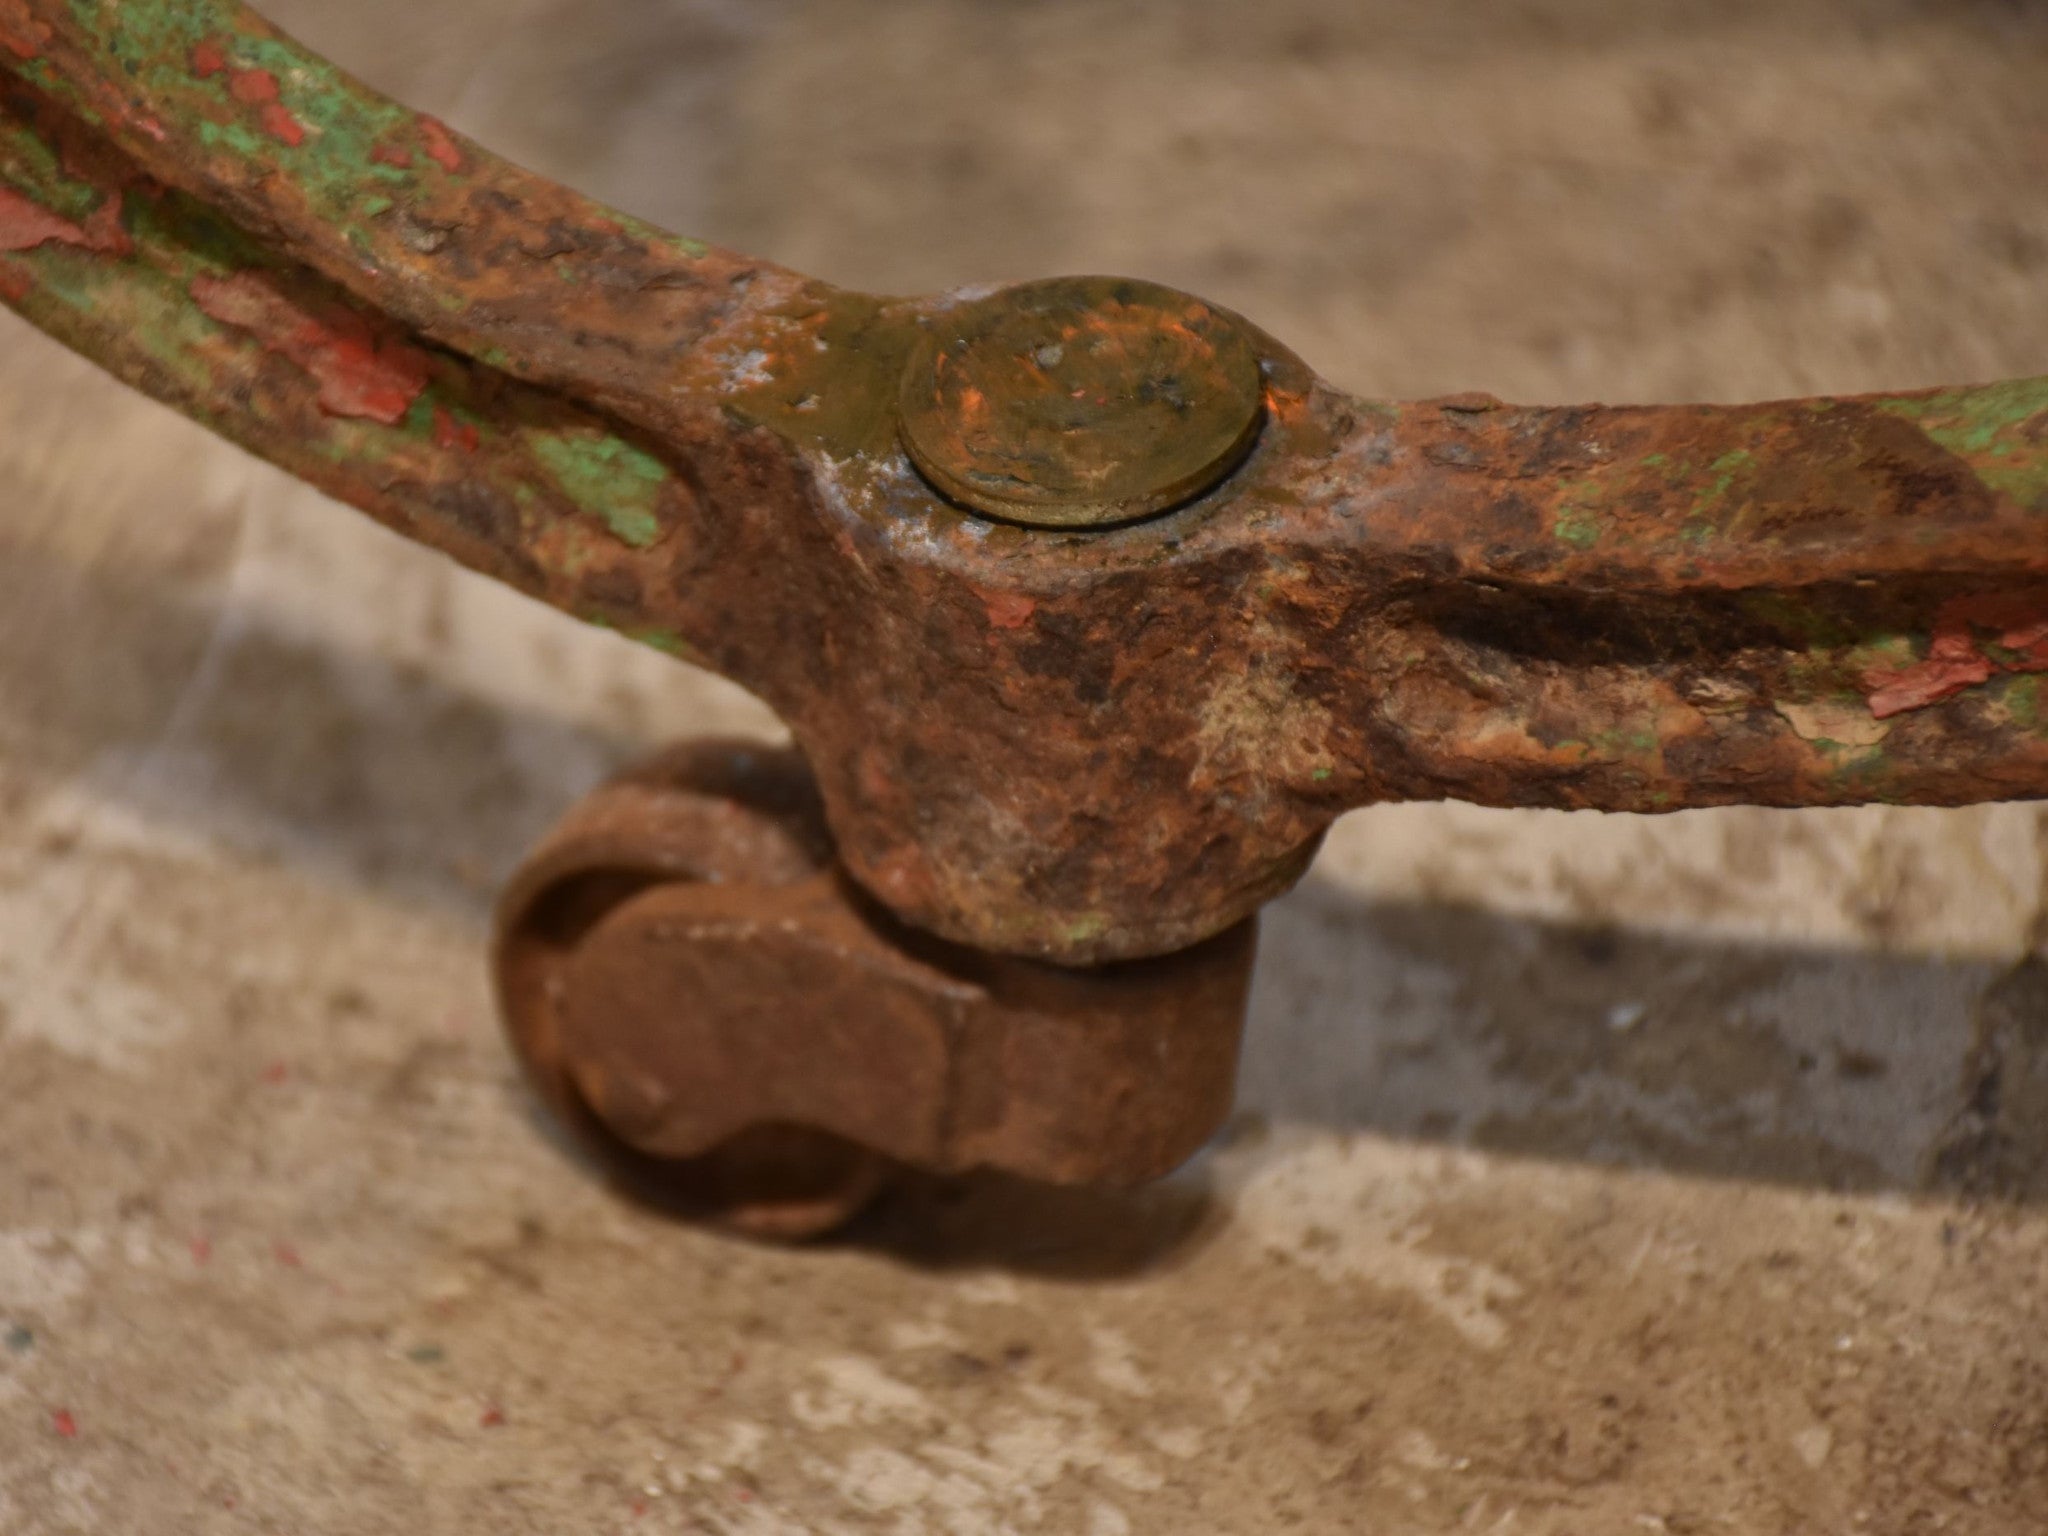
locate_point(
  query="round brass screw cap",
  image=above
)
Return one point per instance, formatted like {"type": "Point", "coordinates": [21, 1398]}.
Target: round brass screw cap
{"type": "Point", "coordinates": [1081, 402]}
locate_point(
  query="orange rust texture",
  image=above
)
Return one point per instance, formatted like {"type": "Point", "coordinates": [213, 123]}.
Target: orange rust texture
{"type": "Point", "coordinates": [22, 35]}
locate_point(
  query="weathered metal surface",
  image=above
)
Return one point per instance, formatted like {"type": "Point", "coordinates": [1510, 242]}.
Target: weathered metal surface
{"type": "Point", "coordinates": [693, 985]}
{"type": "Point", "coordinates": [1076, 744]}
{"type": "Point", "coordinates": [521, 484]}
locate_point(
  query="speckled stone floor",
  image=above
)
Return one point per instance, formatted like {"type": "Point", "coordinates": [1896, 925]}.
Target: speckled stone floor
{"type": "Point", "coordinates": [1591, 1175]}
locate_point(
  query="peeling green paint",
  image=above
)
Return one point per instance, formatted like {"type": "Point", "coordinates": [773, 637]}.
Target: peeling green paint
{"type": "Point", "coordinates": [656, 236]}
{"type": "Point", "coordinates": [667, 642]}
{"type": "Point", "coordinates": [1577, 525]}
{"type": "Point", "coordinates": [2023, 700]}
{"type": "Point", "coordinates": [617, 481]}
{"type": "Point", "coordinates": [1624, 741]}
{"type": "Point", "coordinates": [2002, 429]}
{"type": "Point", "coordinates": [1814, 626]}
{"type": "Point", "coordinates": [344, 156]}
{"type": "Point", "coordinates": [1971, 421]}
{"type": "Point", "coordinates": [1726, 469]}
{"type": "Point", "coordinates": [559, 485]}
{"type": "Point", "coordinates": [1580, 520]}
{"type": "Point", "coordinates": [1087, 928]}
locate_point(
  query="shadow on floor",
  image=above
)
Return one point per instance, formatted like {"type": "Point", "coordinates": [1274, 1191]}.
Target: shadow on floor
{"type": "Point", "coordinates": [1820, 1068]}
{"type": "Point", "coordinates": [1720, 1058]}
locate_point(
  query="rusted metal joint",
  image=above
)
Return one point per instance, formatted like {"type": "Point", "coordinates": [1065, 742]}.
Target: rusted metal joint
{"type": "Point", "coordinates": [1089, 604]}
{"type": "Point", "coordinates": [694, 985]}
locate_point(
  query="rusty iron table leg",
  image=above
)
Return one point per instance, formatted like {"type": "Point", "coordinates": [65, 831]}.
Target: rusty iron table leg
{"type": "Point", "coordinates": [1089, 604]}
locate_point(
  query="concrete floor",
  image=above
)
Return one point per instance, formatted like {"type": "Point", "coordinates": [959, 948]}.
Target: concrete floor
{"type": "Point", "coordinates": [1592, 1176]}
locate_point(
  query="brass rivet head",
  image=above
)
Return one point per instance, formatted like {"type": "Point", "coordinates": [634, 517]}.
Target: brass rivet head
{"type": "Point", "coordinates": [1080, 402]}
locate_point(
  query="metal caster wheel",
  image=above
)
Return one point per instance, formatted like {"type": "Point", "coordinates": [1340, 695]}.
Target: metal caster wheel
{"type": "Point", "coordinates": [706, 1000]}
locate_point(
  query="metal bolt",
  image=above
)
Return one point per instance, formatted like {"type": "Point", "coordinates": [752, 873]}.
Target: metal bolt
{"type": "Point", "coordinates": [1081, 402]}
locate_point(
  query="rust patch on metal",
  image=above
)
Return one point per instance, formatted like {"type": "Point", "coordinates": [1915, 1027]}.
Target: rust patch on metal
{"type": "Point", "coordinates": [1008, 610]}
{"type": "Point", "coordinates": [23, 36]}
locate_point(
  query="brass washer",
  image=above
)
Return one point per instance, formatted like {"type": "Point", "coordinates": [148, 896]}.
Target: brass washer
{"type": "Point", "coordinates": [1081, 402]}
